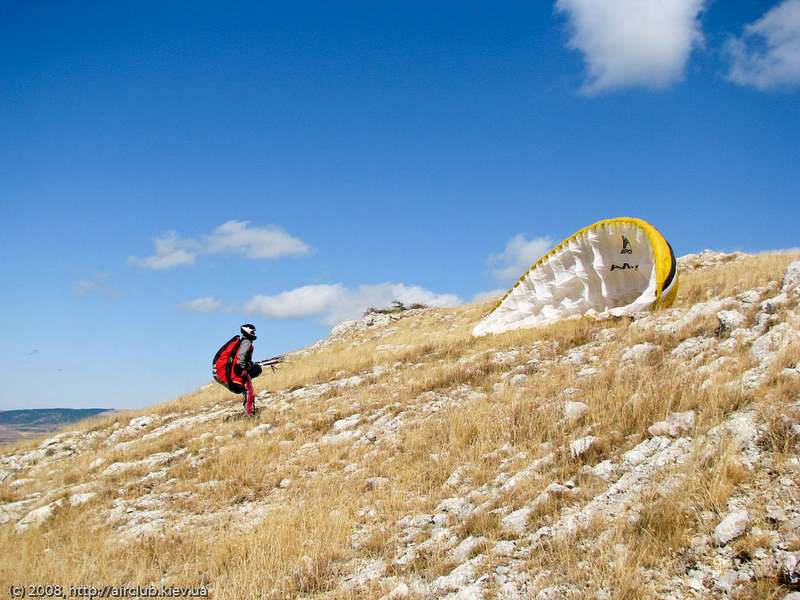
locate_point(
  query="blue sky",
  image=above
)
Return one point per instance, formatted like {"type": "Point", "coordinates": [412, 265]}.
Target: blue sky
{"type": "Point", "coordinates": [296, 162]}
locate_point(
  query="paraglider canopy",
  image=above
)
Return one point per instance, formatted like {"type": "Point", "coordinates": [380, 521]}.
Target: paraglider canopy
{"type": "Point", "coordinates": [621, 265]}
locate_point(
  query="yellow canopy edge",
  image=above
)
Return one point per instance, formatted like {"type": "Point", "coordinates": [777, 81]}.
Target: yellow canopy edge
{"type": "Point", "coordinates": [662, 258]}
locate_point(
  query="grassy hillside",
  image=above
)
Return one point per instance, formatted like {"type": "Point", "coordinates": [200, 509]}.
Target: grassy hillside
{"type": "Point", "coordinates": [404, 458]}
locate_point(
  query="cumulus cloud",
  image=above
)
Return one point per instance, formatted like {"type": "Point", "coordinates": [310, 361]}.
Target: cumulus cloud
{"type": "Point", "coordinates": [626, 43]}
{"type": "Point", "coordinates": [305, 301]}
{"type": "Point", "coordinates": [253, 242]}
{"type": "Point", "coordinates": [333, 303]}
{"type": "Point", "coordinates": [206, 304]}
{"type": "Point", "coordinates": [170, 251]}
{"type": "Point", "coordinates": [489, 294]}
{"type": "Point", "coordinates": [232, 237]}
{"type": "Point", "coordinates": [517, 257]}
{"type": "Point", "coordinates": [767, 54]}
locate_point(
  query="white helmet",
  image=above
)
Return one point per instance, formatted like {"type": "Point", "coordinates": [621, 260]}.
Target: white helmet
{"type": "Point", "coordinates": [248, 330]}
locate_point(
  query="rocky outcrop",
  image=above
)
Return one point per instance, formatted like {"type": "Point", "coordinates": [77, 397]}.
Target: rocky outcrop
{"type": "Point", "coordinates": [707, 259]}
{"type": "Point", "coordinates": [492, 512]}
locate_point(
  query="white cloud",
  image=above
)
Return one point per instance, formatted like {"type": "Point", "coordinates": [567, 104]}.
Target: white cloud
{"type": "Point", "coordinates": [305, 301]}
{"type": "Point", "coordinates": [333, 303]}
{"type": "Point", "coordinates": [517, 257]}
{"type": "Point", "coordinates": [97, 284]}
{"type": "Point", "coordinates": [489, 294]}
{"type": "Point", "coordinates": [253, 242]}
{"type": "Point", "coordinates": [232, 237]}
{"type": "Point", "coordinates": [633, 42]}
{"type": "Point", "coordinates": [206, 304]}
{"type": "Point", "coordinates": [767, 55]}
{"type": "Point", "coordinates": [171, 251]}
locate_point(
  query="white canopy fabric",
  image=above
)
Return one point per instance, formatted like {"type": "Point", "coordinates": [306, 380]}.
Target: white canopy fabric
{"type": "Point", "coordinates": [622, 265]}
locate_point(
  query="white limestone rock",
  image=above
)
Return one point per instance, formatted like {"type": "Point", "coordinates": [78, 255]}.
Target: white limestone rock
{"type": "Point", "coordinates": [78, 499]}
{"type": "Point", "coordinates": [725, 582]}
{"type": "Point", "coordinates": [373, 483]}
{"type": "Point", "coordinates": [556, 489]}
{"type": "Point", "coordinates": [369, 571]}
{"type": "Point", "coordinates": [504, 548]}
{"type": "Point", "coordinates": [504, 358]}
{"type": "Point", "coordinates": [734, 525]}
{"type": "Point", "coordinates": [466, 548]}
{"type": "Point", "coordinates": [573, 411]}
{"type": "Point", "coordinates": [776, 514]}
{"type": "Point", "coordinates": [553, 592]}
{"type": "Point", "coordinates": [12, 510]}
{"type": "Point", "coordinates": [530, 472]}
{"type": "Point", "coordinates": [518, 379]}
{"type": "Point", "coordinates": [343, 436]}
{"type": "Point", "coordinates": [456, 478]}
{"type": "Point", "coordinates": [457, 507]}
{"type": "Point", "coordinates": [697, 311]}
{"type": "Point", "coordinates": [691, 347]}
{"type": "Point", "coordinates": [730, 320]}
{"type": "Point", "coordinates": [790, 569]}
{"type": "Point", "coordinates": [602, 470]}
{"type": "Point", "coordinates": [764, 348]}
{"type": "Point", "coordinates": [772, 305]}
{"type": "Point", "coordinates": [37, 517]}
{"type": "Point", "coordinates": [749, 297]}
{"type": "Point", "coordinates": [517, 521]}
{"type": "Point", "coordinates": [459, 577]}
{"type": "Point", "coordinates": [644, 450]}
{"type": "Point", "coordinates": [472, 591]}
{"type": "Point", "coordinates": [707, 259]}
{"type": "Point", "coordinates": [347, 423]}
{"type": "Point", "coordinates": [639, 352]}
{"type": "Point", "coordinates": [791, 279]}
{"type": "Point", "coordinates": [260, 430]}
{"type": "Point", "coordinates": [401, 590]}
{"type": "Point", "coordinates": [368, 321]}
{"type": "Point", "coordinates": [159, 459]}
{"type": "Point", "coordinates": [674, 425]}
{"type": "Point", "coordinates": [582, 445]}
{"type": "Point", "coordinates": [134, 427]}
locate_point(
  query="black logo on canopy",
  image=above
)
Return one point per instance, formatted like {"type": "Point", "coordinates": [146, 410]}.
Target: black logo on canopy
{"type": "Point", "coordinates": [625, 267]}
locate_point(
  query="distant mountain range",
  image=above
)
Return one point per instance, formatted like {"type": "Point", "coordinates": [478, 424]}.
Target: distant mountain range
{"type": "Point", "coordinates": [16, 424]}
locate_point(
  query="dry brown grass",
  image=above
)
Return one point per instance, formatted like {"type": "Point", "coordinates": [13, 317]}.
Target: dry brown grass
{"type": "Point", "coordinates": [303, 545]}
{"type": "Point", "coordinates": [483, 524]}
{"type": "Point", "coordinates": [711, 479]}
{"type": "Point", "coordinates": [763, 588]}
{"type": "Point", "coordinates": [732, 278]}
{"type": "Point", "coordinates": [780, 436]}
{"type": "Point", "coordinates": [664, 525]}
{"type": "Point", "coordinates": [746, 547]}
{"type": "Point", "coordinates": [608, 560]}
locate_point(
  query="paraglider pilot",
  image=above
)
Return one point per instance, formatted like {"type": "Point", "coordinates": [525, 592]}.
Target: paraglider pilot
{"type": "Point", "coordinates": [244, 366]}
